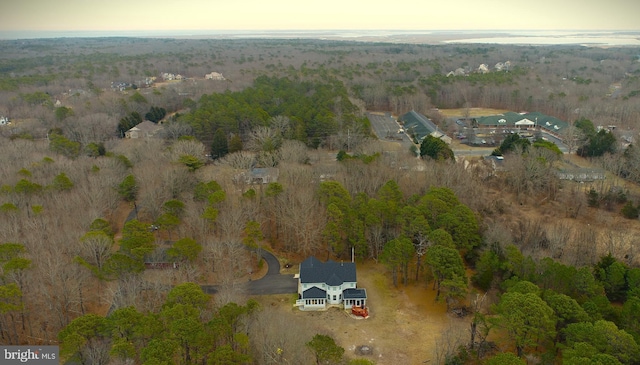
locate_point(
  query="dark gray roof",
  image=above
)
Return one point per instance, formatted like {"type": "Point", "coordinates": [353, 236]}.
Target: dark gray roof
{"type": "Point", "coordinates": [263, 172]}
{"type": "Point", "coordinates": [354, 294]}
{"type": "Point", "coordinates": [314, 293]}
{"type": "Point", "coordinates": [331, 273]}
{"type": "Point", "coordinates": [418, 124]}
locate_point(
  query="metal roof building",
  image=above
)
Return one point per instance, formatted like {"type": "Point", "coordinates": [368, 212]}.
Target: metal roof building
{"type": "Point", "coordinates": [417, 125]}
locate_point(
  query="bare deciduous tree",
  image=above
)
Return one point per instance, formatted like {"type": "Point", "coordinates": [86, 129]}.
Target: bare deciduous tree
{"type": "Point", "coordinates": [278, 337]}
{"type": "Point", "coordinates": [186, 147]}
{"type": "Point", "coordinates": [294, 151]}
{"type": "Point", "coordinates": [175, 130]}
{"type": "Point", "coordinates": [239, 160]}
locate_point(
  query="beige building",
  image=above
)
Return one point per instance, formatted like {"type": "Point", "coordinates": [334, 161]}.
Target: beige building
{"type": "Point", "coordinates": [145, 129]}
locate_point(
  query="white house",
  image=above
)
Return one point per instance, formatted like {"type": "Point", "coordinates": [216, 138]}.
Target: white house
{"type": "Point", "coordinates": [483, 68]}
{"type": "Point", "coordinates": [214, 76]}
{"type": "Point", "coordinates": [168, 76]}
{"type": "Point", "coordinates": [4, 121]}
{"type": "Point", "coordinates": [325, 284]}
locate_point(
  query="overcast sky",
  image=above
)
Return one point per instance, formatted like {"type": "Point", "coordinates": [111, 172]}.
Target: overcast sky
{"type": "Point", "coordinates": [120, 15]}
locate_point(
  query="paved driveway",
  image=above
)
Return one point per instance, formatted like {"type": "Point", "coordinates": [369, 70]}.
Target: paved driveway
{"type": "Point", "coordinates": [272, 283]}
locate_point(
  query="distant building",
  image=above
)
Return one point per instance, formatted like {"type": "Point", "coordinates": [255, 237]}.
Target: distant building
{"type": "Point", "coordinates": [214, 76]}
{"type": "Point", "coordinates": [145, 129]}
{"type": "Point", "coordinates": [523, 121]}
{"type": "Point", "coordinates": [259, 175]}
{"type": "Point", "coordinates": [166, 76]}
{"type": "Point", "coordinates": [4, 121]}
{"type": "Point", "coordinates": [120, 86]}
{"type": "Point", "coordinates": [502, 66]}
{"type": "Point", "coordinates": [417, 125]}
{"type": "Point", "coordinates": [442, 136]}
{"type": "Point", "coordinates": [458, 72]}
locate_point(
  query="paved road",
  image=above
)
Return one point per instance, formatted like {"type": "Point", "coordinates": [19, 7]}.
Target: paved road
{"type": "Point", "coordinates": [272, 283]}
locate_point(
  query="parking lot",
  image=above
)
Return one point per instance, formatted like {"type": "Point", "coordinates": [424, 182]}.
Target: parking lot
{"type": "Point", "coordinates": [386, 128]}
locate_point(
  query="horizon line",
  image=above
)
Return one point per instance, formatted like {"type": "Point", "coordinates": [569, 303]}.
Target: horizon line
{"type": "Point", "coordinates": [101, 33]}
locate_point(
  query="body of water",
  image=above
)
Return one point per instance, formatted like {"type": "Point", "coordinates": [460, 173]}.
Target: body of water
{"type": "Point", "coordinates": [586, 38]}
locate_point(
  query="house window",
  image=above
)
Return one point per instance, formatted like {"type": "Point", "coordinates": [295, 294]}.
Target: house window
{"type": "Point", "coordinates": [340, 297]}
{"type": "Point", "coordinates": [328, 296]}
{"type": "Point", "coordinates": [334, 297]}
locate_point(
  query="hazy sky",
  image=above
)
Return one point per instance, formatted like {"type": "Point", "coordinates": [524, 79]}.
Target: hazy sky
{"type": "Point", "coordinates": [119, 15]}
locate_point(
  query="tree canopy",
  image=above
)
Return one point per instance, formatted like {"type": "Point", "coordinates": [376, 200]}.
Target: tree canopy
{"type": "Point", "coordinates": [435, 148]}
{"type": "Point", "coordinates": [311, 106]}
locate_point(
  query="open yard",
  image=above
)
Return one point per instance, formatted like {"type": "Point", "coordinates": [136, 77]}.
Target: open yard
{"type": "Point", "coordinates": [404, 323]}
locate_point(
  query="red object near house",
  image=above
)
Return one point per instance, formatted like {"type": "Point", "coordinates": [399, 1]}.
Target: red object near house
{"type": "Point", "coordinates": [359, 311]}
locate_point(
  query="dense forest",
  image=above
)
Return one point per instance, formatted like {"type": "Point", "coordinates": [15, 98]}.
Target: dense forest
{"type": "Point", "coordinates": [541, 270]}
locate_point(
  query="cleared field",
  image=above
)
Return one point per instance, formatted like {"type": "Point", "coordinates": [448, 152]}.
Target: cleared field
{"type": "Point", "coordinates": [473, 112]}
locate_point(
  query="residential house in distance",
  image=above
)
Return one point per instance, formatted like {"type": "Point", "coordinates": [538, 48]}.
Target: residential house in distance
{"type": "Point", "coordinates": [502, 66]}
{"type": "Point", "coordinates": [145, 129]}
{"type": "Point", "coordinates": [4, 121]}
{"type": "Point", "coordinates": [214, 76]}
{"type": "Point", "coordinates": [325, 284]}
{"type": "Point", "coordinates": [120, 86]}
{"type": "Point", "coordinates": [458, 72]}
{"type": "Point", "coordinates": [167, 76]}
{"type": "Point", "coordinates": [259, 175]}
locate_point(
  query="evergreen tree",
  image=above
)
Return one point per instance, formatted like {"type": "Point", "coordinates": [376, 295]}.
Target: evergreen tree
{"type": "Point", "coordinates": [155, 114]}
{"type": "Point", "coordinates": [219, 146]}
{"type": "Point", "coordinates": [435, 148]}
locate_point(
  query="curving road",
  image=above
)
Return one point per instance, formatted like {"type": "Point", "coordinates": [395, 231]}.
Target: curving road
{"type": "Point", "coordinates": [272, 283]}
